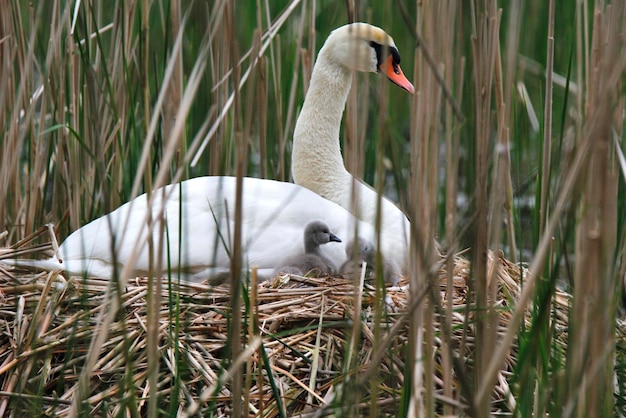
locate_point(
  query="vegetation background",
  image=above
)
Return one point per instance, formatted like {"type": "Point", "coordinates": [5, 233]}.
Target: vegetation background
{"type": "Point", "coordinates": [511, 143]}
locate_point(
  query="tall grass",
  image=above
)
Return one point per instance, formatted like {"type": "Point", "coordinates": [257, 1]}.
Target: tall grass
{"type": "Point", "coordinates": [509, 145]}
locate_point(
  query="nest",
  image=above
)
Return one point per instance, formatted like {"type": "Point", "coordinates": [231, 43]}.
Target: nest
{"type": "Point", "coordinates": [303, 352]}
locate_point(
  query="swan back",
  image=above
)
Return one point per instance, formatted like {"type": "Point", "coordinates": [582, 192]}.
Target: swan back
{"type": "Point", "coordinates": [193, 223]}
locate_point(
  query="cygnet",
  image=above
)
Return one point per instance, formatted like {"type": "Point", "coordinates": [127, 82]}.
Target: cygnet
{"type": "Point", "coordinates": [365, 253]}
{"type": "Point", "coordinates": [316, 233]}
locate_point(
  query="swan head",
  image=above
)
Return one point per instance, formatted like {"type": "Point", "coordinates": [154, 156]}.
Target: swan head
{"type": "Point", "coordinates": [366, 48]}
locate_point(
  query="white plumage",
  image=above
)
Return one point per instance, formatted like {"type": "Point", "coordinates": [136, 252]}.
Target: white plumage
{"type": "Point", "coordinates": [199, 238]}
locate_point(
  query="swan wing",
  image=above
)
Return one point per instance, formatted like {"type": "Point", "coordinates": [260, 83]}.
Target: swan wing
{"type": "Point", "coordinates": [193, 223]}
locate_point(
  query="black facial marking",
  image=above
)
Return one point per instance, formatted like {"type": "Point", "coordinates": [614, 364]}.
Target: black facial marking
{"type": "Point", "coordinates": [391, 50]}
{"type": "Point", "coordinates": [378, 48]}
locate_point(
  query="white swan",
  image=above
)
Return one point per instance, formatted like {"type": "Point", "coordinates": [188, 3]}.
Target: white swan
{"type": "Point", "coordinates": [317, 162]}
{"type": "Point", "coordinates": [199, 237]}
{"type": "Point", "coordinates": [316, 234]}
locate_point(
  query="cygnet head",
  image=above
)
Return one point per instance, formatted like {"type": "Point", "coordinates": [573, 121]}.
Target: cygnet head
{"type": "Point", "coordinates": [317, 233]}
{"type": "Point", "coordinates": [366, 48]}
{"type": "Point", "coordinates": [365, 253]}
{"type": "Point", "coordinates": [364, 249]}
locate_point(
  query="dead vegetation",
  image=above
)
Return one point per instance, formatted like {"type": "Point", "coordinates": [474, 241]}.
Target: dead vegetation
{"type": "Point", "coordinates": [297, 334]}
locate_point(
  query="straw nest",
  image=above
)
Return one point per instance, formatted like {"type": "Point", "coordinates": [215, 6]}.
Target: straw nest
{"type": "Point", "coordinates": [298, 340]}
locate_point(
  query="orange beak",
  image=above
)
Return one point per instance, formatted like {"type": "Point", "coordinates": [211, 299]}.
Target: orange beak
{"type": "Point", "coordinates": [394, 73]}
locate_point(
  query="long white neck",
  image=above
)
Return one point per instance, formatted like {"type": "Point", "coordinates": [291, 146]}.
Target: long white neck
{"type": "Point", "coordinates": [317, 163]}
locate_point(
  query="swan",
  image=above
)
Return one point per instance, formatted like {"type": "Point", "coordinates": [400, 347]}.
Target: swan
{"type": "Point", "coordinates": [198, 219]}
{"type": "Point", "coordinates": [195, 218]}
{"type": "Point", "coordinates": [317, 163]}
{"type": "Point", "coordinates": [316, 233]}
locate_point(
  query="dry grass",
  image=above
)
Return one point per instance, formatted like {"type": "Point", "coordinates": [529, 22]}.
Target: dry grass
{"type": "Point", "coordinates": [99, 104]}
{"type": "Point", "coordinates": [304, 326]}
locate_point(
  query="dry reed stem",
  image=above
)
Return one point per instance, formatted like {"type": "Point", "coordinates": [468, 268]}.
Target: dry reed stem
{"type": "Point", "coordinates": [590, 354]}
{"type": "Point", "coordinates": [485, 41]}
